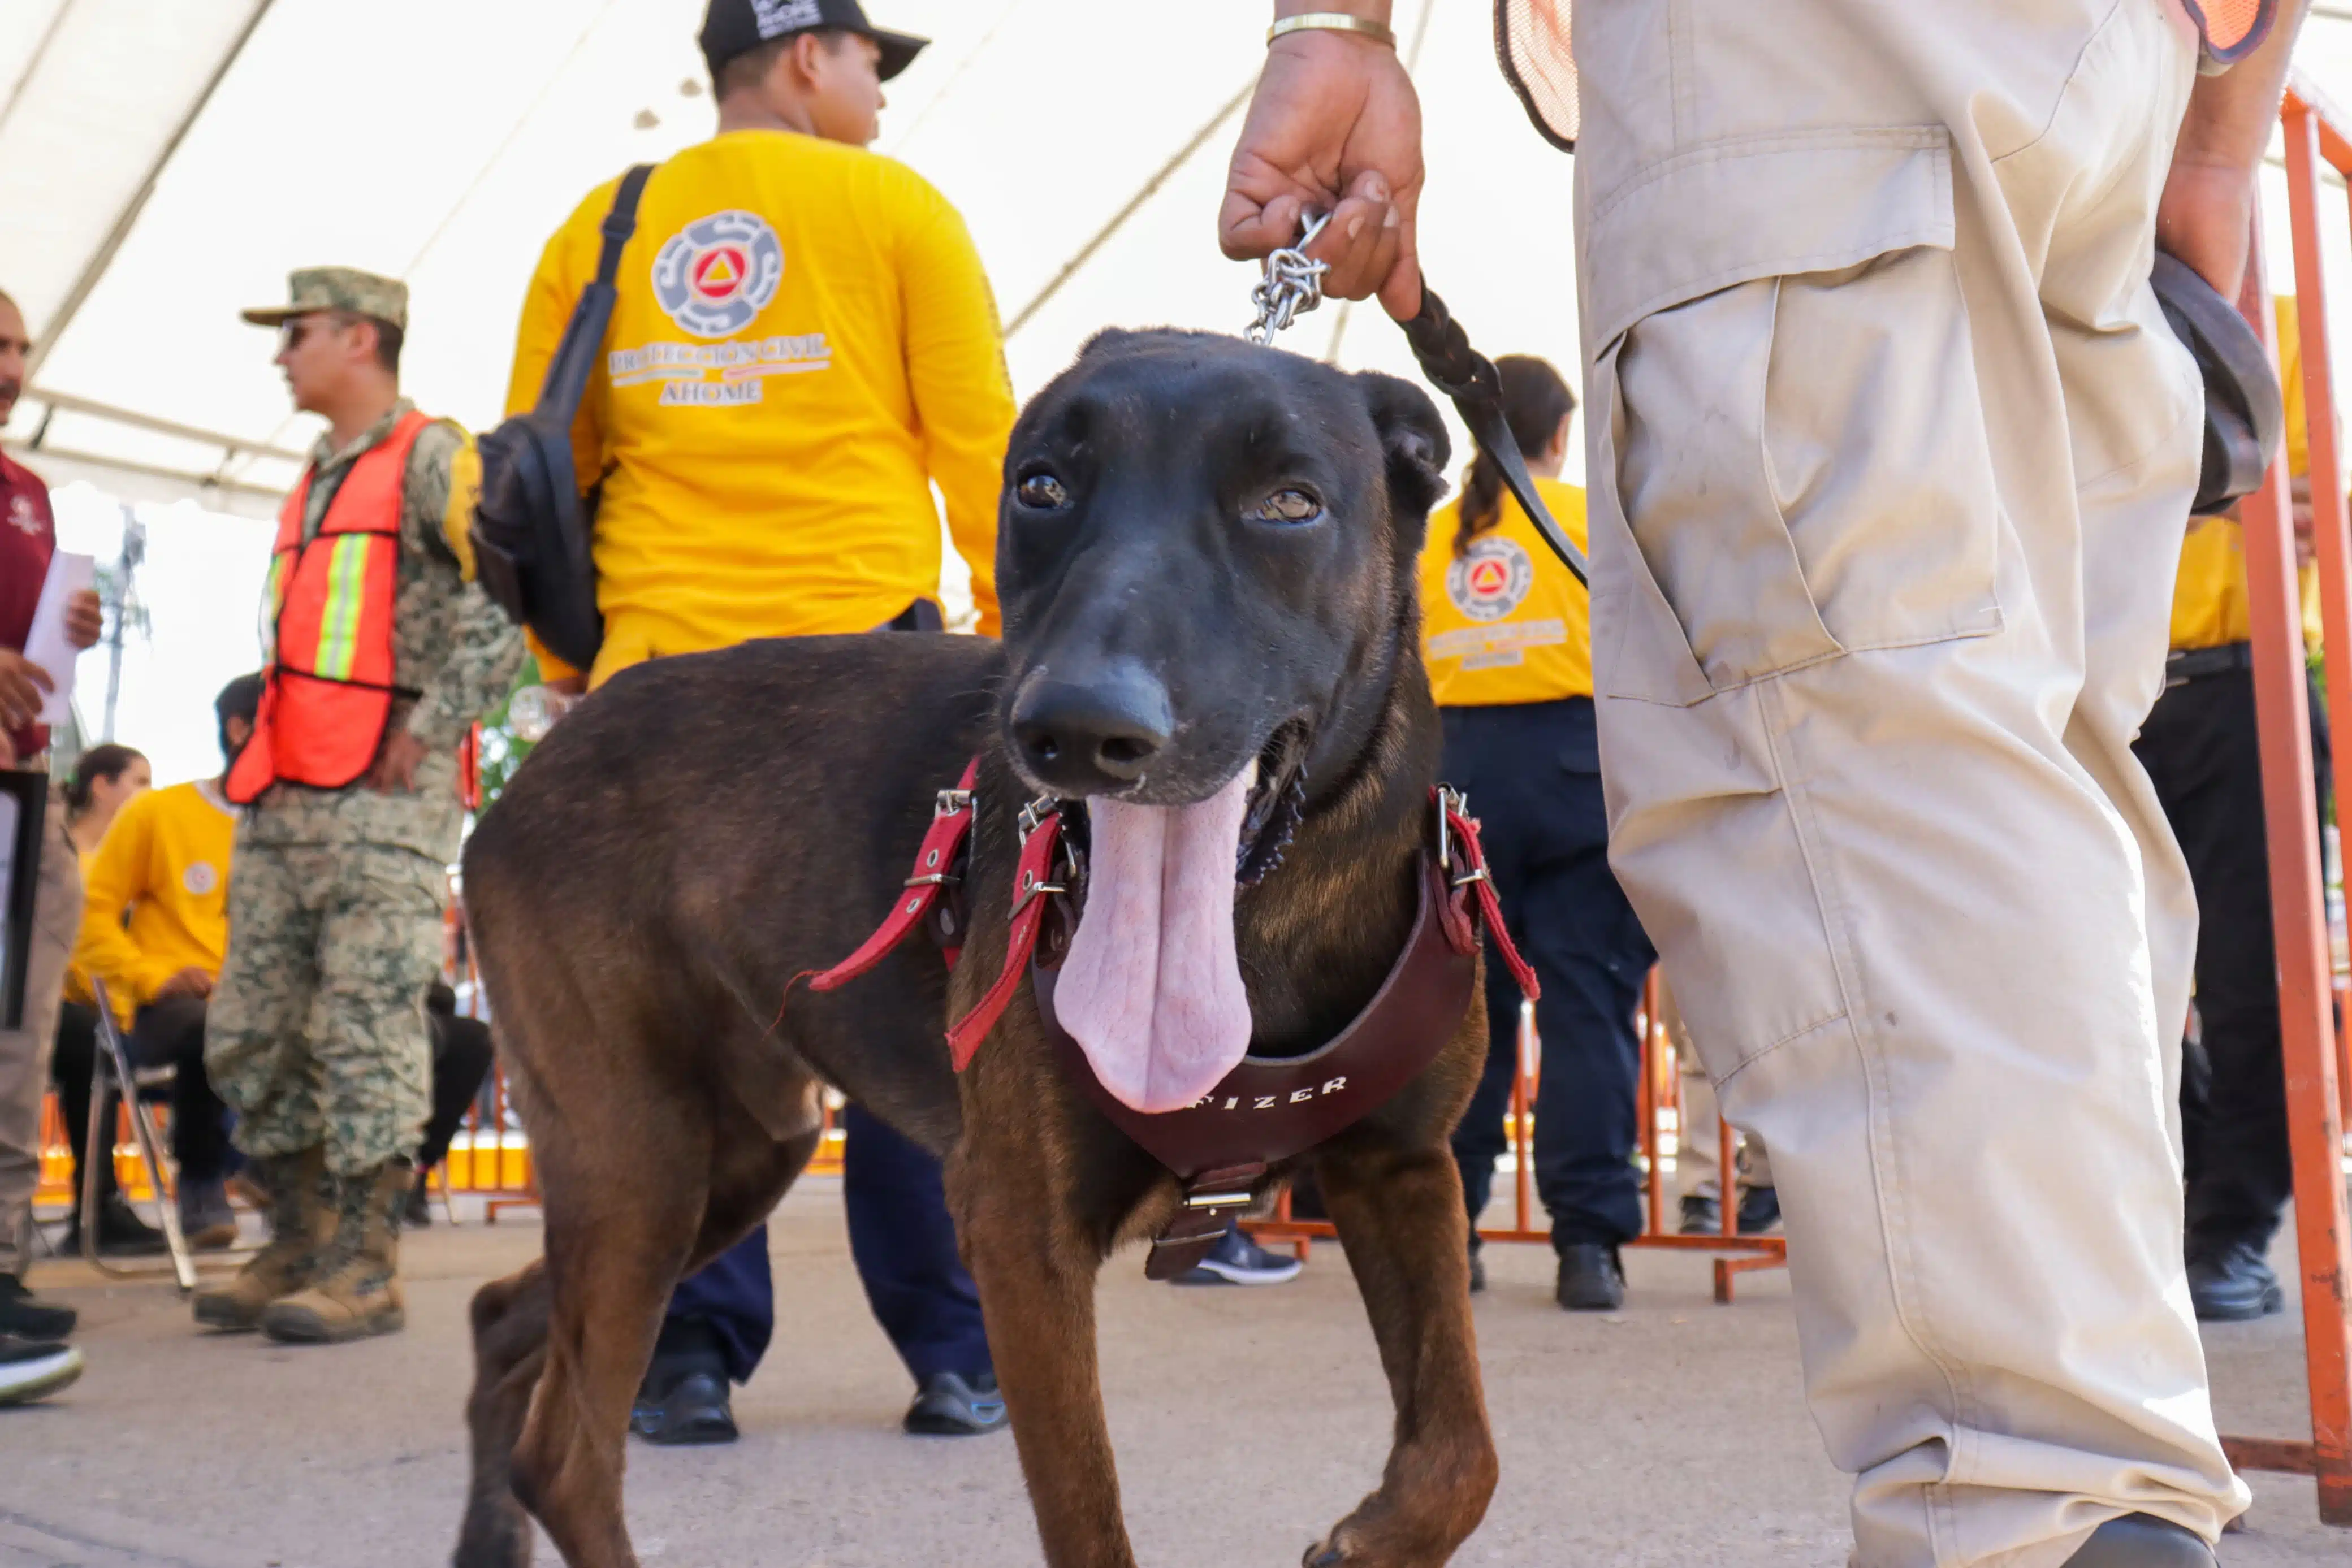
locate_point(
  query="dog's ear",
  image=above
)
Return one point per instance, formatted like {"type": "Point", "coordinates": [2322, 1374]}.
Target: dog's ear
{"type": "Point", "coordinates": [1106, 342]}
{"type": "Point", "coordinates": [1414, 441]}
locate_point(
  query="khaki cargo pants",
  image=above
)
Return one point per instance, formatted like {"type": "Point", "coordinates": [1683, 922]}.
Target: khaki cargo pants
{"type": "Point", "coordinates": [1891, 455]}
{"type": "Point", "coordinates": [25, 1052]}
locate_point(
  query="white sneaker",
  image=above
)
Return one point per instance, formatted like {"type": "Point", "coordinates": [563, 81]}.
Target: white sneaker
{"type": "Point", "coordinates": [1238, 1260]}
{"type": "Point", "coordinates": [34, 1369]}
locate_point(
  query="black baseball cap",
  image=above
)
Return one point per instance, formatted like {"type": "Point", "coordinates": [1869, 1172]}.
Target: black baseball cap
{"type": "Point", "coordinates": [732, 27]}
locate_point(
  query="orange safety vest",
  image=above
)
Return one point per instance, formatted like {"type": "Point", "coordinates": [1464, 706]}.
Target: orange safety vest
{"type": "Point", "coordinates": [331, 603]}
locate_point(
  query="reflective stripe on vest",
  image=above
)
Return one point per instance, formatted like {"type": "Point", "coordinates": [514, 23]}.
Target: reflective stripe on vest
{"type": "Point", "coordinates": [330, 601]}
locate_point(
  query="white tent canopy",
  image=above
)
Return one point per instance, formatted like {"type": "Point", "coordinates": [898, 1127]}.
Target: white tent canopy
{"type": "Point", "coordinates": [164, 162]}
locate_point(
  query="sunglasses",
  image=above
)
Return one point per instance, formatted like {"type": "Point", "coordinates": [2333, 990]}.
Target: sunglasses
{"type": "Point", "coordinates": [291, 334]}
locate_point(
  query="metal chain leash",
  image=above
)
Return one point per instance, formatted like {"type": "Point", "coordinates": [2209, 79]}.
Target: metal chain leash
{"type": "Point", "coordinates": [1290, 288]}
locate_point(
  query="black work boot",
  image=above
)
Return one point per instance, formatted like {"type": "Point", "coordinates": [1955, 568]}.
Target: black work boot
{"type": "Point", "coordinates": [2231, 1282]}
{"type": "Point", "coordinates": [2143, 1540]}
{"type": "Point", "coordinates": [1590, 1278]}
{"type": "Point", "coordinates": [683, 1398]}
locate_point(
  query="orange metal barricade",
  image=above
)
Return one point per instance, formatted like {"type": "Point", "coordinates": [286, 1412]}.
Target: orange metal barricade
{"type": "Point", "coordinates": [2311, 1049]}
{"type": "Point", "coordinates": [1657, 1097]}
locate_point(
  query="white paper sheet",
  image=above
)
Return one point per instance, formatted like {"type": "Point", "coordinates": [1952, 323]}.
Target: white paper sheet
{"type": "Point", "coordinates": [46, 643]}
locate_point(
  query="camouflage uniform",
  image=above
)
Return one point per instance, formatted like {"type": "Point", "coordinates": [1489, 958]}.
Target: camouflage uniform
{"type": "Point", "coordinates": [317, 1031]}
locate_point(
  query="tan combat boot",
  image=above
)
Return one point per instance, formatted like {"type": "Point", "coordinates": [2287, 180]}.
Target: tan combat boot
{"type": "Point", "coordinates": [301, 1221]}
{"type": "Point", "coordinates": [356, 1290]}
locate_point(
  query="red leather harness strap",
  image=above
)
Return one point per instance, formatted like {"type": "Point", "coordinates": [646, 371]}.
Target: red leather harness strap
{"type": "Point", "coordinates": [1041, 835]}
{"type": "Point", "coordinates": [1457, 841]}
{"type": "Point", "coordinates": [934, 870]}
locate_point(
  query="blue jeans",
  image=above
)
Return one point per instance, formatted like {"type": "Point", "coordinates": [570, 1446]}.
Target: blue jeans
{"type": "Point", "coordinates": [1532, 774]}
{"type": "Point", "coordinates": [903, 1243]}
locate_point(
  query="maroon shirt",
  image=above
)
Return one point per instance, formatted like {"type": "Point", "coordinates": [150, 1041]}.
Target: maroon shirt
{"type": "Point", "coordinates": [28, 537]}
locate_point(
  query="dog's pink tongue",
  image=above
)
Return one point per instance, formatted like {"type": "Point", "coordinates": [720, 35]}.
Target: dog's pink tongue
{"type": "Point", "coordinates": [1151, 989]}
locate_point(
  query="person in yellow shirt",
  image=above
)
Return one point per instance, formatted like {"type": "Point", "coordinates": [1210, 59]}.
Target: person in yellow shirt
{"type": "Point", "coordinates": [2201, 753]}
{"type": "Point", "coordinates": [803, 345]}
{"type": "Point", "coordinates": [154, 928]}
{"type": "Point", "coordinates": [1508, 636]}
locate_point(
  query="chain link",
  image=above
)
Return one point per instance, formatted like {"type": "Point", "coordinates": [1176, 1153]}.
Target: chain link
{"type": "Point", "coordinates": [1290, 288]}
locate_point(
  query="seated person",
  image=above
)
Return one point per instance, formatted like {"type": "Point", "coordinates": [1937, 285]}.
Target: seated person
{"type": "Point", "coordinates": [154, 928]}
{"type": "Point", "coordinates": [103, 781]}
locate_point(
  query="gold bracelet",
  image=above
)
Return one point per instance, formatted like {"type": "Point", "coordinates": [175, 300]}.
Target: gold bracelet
{"type": "Point", "coordinates": [1332, 21]}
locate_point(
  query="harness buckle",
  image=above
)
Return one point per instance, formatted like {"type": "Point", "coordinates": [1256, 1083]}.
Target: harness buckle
{"type": "Point", "coordinates": [1213, 1200]}
{"type": "Point", "coordinates": [1030, 890]}
{"type": "Point", "coordinates": [1451, 801]}
{"type": "Point", "coordinates": [1033, 815]}
{"type": "Point", "coordinates": [952, 802]}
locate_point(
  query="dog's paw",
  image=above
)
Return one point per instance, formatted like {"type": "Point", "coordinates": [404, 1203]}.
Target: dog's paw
{"type": "Point", "coordinates": [1346, 1547]}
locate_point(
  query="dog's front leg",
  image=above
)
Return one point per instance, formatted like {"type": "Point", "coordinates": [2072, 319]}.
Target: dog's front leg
{"type": "Point", "coordinates": [1399, 1213]}
{"type": "Point", "coordinates": [1036, 1278]}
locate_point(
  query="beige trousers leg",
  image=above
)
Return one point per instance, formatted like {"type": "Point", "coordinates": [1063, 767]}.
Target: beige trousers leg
{"type": "Point", "coordinates": [1891, 453]}
{"type": "Point", "coordinates": [25, 1052]}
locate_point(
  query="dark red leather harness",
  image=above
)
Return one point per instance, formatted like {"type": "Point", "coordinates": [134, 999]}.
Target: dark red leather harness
{"type": "Point", "coordinates": [1267, 1109]}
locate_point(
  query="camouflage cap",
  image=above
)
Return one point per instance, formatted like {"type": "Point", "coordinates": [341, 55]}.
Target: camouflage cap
{"type": "Point", "coordinates": [344, 288]}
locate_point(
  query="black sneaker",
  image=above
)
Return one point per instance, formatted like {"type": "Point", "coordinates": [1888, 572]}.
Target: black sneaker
{"type": "Point", "coordinates": [676, 1410]}
{"type": "Point", "coordinates": [27, 1316]}
{"type": "Point", "coordinates": [120, 1232]}
{"type": "Point", "coordinates": [2142, 1540]}
{"type": "Point", "coordinates": [1701, 1216]}
{"type": "Point", "coordinates": [1238, 1260]}
{"type": "Point", "coordinates": [2233, 1283]}
{"type": "Point", "coordinates": [417, 1213]}
{"type": "Point", "coordinates": [34, 1369]}
{"type": "Point", "coordinates": [1592, 1280]}
{"type": "Point", "coordinates": [1760, 1210]}
{"type": "Point", "coordinates": [1477, 1273]}
{"type": "Point", "coordinates": [949, 1404]}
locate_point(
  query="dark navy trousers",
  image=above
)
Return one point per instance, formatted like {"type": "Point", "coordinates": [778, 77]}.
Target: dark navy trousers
{"type": "Point", "coordinates": [1532, 773]}
{"type": "Point", "coordinates": [905, 1248]}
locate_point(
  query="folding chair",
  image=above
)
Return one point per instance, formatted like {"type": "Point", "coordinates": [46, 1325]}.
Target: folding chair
{"type": "Point", "coordinates": [110, 1071]}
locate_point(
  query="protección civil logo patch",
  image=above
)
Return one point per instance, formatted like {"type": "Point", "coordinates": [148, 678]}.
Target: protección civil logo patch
{"type": "Point", "coordinates": [716, 275]}
{"type": "Point", "coordinates": [1491, 579]}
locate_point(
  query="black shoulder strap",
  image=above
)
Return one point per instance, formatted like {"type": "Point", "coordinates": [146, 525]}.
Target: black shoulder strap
{"type": "Point", "coordinates": [1468, 377]}
{"type": "Point", "coordinates": [575, 357]}
{"type": "Point", "coordinates": [621, 223]}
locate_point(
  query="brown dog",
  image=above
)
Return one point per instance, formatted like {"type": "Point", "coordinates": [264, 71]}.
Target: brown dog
{"type": "Point", "coordinates": [1206, 557]}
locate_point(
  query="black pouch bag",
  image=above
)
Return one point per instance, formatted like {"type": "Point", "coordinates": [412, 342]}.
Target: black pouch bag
{"type": "Point", "coordinates": [532, 527]}
{"type": "Point", "coordinates": [2243, 416]}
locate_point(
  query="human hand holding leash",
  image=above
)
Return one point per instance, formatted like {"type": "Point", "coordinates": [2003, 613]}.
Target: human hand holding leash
{"type": "Point", "coordinates": [1335, 127]}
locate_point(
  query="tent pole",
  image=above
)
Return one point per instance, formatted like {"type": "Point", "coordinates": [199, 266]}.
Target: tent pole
{"type": "Point", "coordinates": [1119, 219]}
{"type": "Point", "coordinates": [33, 61]}
{"type": "Point", "coordinates": [52, 329]}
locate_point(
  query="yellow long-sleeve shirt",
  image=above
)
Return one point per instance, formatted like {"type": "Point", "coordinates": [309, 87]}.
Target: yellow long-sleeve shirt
{"type": "Point", "coordinates": [155, 893]}
{"type": "Point", "coordinates": [2209, 597]}
{"type": "Point", "coordinates": [803, 343]}
{"type": "Point", "coordinates": [1505, 622]}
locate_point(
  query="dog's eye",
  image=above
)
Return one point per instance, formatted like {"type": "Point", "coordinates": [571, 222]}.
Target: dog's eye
{"type": "Point", "coordinates": [1288, 506]}
{"type": "Point", "coordinates": [1043, 493]}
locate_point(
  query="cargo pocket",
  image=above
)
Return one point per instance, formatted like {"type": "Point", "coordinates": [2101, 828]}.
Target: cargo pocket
{"type": "Point", "coordinates": [1790, 459]}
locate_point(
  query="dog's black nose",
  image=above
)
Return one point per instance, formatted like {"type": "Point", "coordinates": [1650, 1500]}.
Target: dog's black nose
{"type": "Point", "coordinates": [1083, 736]}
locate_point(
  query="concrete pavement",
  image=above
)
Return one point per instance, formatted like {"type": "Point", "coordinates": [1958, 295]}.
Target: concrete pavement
{"type": "Point", "coordinates": [1667, 1436]}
